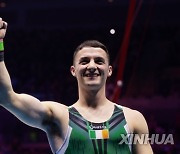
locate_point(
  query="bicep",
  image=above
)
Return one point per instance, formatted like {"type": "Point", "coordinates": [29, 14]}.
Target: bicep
{"type": "Point", "coordinates": [28, 109]}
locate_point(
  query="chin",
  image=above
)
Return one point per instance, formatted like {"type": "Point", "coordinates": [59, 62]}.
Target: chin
{"type": "Point", "coordinates": [93, 86]}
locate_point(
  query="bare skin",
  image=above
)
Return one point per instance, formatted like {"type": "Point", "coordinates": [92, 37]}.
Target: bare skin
{"type": "Point", "coordinates": [91, 69]}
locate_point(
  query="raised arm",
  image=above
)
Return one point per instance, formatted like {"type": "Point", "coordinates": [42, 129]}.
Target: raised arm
{"type": "Point", "coordinates": [25, 107]}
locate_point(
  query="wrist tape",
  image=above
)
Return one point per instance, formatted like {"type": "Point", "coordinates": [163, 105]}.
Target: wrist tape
{"type": "Point", "coordinates": [1, 46]}
{"type": "Point", "coordinates": [1, 51]}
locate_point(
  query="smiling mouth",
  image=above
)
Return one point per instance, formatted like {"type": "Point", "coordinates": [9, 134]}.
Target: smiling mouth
{"type": "Point", "coordinates": [92, 75]}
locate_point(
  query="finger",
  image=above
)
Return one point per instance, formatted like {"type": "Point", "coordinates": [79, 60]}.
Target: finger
{"type": "Point", "coordinates": [3, 25]}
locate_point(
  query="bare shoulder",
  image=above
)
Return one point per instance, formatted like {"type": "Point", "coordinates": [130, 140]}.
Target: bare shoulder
{"type": "Point", "coordinates": [133, 113]}
{"type": "Point", "coordinates": [57, 110]}
{"type": "Point", "coordinates": [135, 120]}
{"type": "Point", "coordinates": [53, 104]}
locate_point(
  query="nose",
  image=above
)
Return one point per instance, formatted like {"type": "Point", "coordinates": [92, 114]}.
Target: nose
{"type": "Point", "coordinates": [92, 66]}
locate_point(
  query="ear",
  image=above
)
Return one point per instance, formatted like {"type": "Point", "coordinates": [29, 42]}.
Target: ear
{"type": "Point", "coordinates": [110, 71]}
{"type": "Point", "coordinates": [72, 69]}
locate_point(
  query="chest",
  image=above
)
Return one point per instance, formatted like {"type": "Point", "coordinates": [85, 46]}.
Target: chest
{"type": "Point", "coordinates": [92, 137]}
{"type": "Point", "coordinates": [96, 116]}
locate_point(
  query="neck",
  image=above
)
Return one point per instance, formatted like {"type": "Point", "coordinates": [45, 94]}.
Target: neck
{"type": "Point", "coordinates": [92, 98]}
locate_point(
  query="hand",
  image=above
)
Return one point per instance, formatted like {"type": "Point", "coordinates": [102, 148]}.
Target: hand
{"type": "Point", "coordinates": [3, 28]}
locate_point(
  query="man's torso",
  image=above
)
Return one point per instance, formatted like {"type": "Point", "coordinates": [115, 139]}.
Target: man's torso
{"type": "Point", "coordinates": [84, 136]}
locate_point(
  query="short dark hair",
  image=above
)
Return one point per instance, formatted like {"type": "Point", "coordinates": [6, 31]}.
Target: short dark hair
{"type": "Point", "coordinates": [91, 43]}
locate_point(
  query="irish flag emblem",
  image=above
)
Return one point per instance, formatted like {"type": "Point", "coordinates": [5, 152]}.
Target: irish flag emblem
{"type": "Point", "coordinates": [99, 134]}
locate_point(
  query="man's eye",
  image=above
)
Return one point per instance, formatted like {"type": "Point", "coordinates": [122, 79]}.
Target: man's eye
{"type": "Point", "coordinates": [100, 62]}
{"type": "Point", "coordinates": [83, 62]}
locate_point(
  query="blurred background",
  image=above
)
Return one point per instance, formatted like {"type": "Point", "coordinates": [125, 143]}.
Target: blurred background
{"type": "Point", "coordinates": [143, 38]}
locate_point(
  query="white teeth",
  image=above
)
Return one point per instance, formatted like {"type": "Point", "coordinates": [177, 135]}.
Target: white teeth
{"type": "Point", "coordinates": [91, 75]}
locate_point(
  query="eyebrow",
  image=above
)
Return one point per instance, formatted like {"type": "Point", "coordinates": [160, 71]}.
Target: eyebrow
{"type": "Point", "coordinates": [83, 58]}
{"type": "Point", "coordinates": [100, 58]}
{"type": "Point", "coordinates": [96, 58]}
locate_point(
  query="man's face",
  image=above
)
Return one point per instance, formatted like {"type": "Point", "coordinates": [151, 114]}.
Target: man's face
{"type": "Point", "coordinates": [91, 67]}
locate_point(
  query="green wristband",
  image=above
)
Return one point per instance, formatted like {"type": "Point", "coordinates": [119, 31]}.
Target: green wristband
{"type": "Point", "coordinates": [1, 46]}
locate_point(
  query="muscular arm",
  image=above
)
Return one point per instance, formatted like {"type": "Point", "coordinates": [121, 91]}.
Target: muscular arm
{"type": "Point", "coordinates": [140, 127]}
{"type": "Point", "coordinates": [27, 108]}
